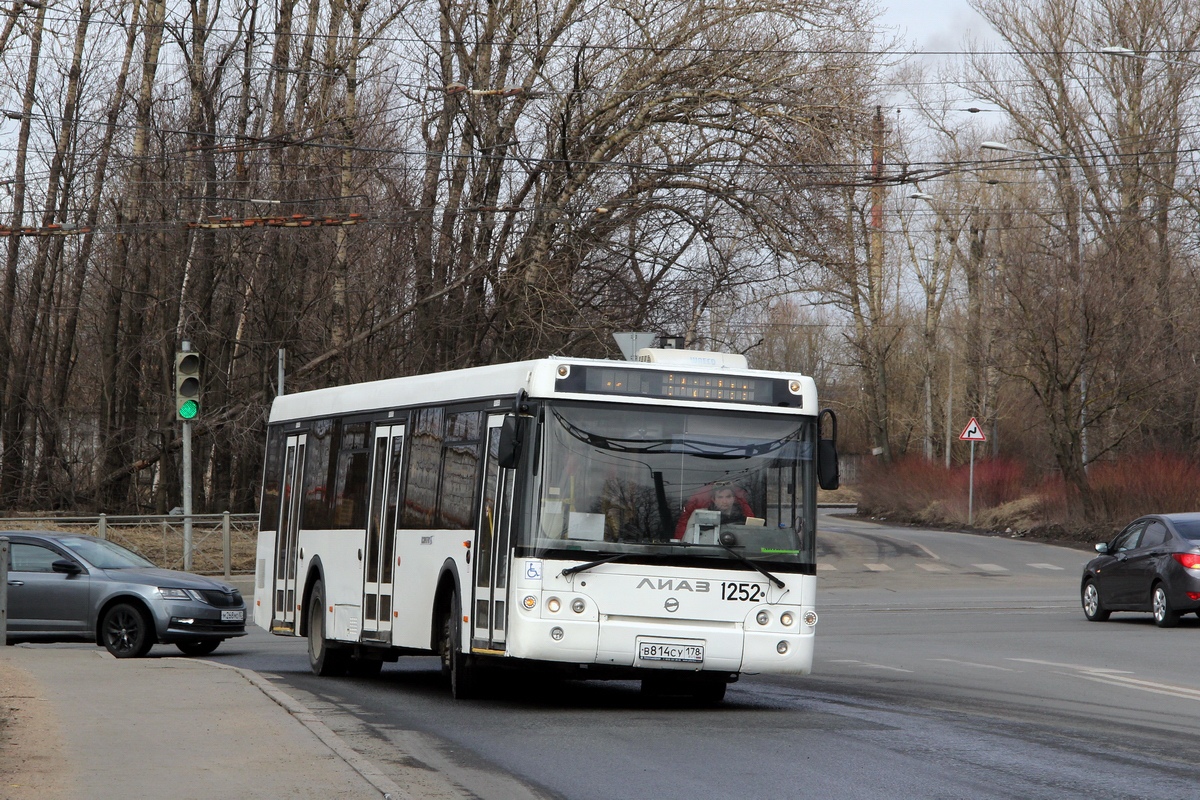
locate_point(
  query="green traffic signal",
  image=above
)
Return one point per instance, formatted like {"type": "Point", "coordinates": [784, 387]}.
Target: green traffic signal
{"type": "Point", "coordinates": [187, 385]}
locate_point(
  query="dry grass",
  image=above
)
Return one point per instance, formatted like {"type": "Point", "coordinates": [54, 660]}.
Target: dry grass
{"type": "Point", "coordinates": [162, 543]}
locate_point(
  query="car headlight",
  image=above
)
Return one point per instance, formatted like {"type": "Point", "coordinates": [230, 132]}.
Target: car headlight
{"type": "Point", "coordinates": [181, 594]}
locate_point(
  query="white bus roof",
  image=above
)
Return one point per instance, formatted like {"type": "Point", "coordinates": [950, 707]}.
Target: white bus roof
{"type": "Point", "coordinates": [502, 381]}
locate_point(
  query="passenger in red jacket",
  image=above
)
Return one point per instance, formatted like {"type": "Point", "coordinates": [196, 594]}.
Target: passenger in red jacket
{"type": "Point", "coordinates": [725, 498]}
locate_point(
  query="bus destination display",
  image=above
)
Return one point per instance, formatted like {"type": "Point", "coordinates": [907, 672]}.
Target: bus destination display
{"type": "Point", "coordinates": [678, 385]}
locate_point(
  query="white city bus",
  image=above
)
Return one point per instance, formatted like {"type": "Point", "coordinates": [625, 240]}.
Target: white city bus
{"type": "Point", "coordinates": [557, 513]}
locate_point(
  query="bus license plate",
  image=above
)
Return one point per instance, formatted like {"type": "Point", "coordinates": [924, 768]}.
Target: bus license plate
{"type": "Point", "coordinates": [237, 615]}
{"type": "Point", "coordinates": [670, 651]}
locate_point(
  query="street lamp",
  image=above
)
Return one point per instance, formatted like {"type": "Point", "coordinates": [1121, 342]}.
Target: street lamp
{"type": "Point", "coordinates": [1127, 52]}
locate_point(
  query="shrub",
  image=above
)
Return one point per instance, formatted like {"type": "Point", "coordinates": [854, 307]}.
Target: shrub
{"type": "Point", "coordinates": [921, 491]}
{"type": "Point", "coordinates": [1145, 484]}
{"type": "Point", "coordinates": [916, 490]}
{"type": "Point", "coordinates": [998, 481]}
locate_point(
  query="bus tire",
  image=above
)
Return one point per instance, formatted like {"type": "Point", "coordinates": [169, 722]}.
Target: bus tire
{"type": "Point", "coordinates": [323, 659]}
{"type": "Point", "coordinates": [457, 666]}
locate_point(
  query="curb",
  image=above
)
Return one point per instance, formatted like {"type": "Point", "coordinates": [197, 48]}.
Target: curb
{"type": "Point", "coordinates": [386, 787]}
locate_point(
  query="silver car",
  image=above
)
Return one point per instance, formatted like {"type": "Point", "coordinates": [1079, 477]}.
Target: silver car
{"type": "Point", "coordinates": [65, 587]}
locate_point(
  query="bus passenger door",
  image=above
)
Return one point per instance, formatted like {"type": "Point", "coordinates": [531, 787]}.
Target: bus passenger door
{"type": "Point", "coordinates": [283, 615]}
{"type": "Point", "coordinates": [491, 547]}
{"type": "Point", "coordinates": [379, 569]}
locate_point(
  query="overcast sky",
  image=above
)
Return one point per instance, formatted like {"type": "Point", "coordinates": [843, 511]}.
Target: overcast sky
{"type": "Point", "coordinates": [931, 24]}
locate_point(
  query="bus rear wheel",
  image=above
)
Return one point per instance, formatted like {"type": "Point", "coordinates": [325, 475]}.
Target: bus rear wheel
{"type": "Point", "coordinates": [323, 659]}
{"type": "Point", "coordinates": [457, 666]}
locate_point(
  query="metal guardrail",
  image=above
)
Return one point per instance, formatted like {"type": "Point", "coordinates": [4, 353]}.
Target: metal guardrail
{"type": "Point", "coordinates": [221, 543]}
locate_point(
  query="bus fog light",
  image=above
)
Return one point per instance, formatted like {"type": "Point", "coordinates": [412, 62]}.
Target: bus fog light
{"type": "Point", "coordinates": [577, 605]}
{"type": "Point", "coordinates": [785, 619]}
{"type": "Point", "coordinates": [556, 634]}
{"type": "Point", "coordinates": [810, 618]}
{"type": "Point", "coordinates": [763, 617]}
{"type": "Point", "coordinates": [781, 648]}
{"type": "Point", "coordinates": [530, 601]}
{"type": "Point", "coordinates": [553, 604]}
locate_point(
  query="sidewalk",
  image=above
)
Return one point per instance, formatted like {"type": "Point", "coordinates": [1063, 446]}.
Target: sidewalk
{"type": "Point", "coordinates": [77, 723]}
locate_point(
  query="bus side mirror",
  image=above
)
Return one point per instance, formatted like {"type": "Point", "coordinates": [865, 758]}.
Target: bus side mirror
{"type": "Point", "coordinates": [827, 457]}
{"type": "Point", "coordinates": [510, 441]}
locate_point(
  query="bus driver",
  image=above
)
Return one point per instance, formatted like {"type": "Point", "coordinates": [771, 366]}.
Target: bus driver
{"type": "Point", "coordinates": [724, 498]}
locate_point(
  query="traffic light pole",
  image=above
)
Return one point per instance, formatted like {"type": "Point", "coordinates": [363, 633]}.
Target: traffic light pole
{"type": "Point", "coordinates": [187, 484]}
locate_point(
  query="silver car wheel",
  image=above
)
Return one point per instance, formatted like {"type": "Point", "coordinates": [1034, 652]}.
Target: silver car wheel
{"type": "Point", "coordinates": [1164, 617]}
{"type": "Point", "coordinates": [1091, 603]}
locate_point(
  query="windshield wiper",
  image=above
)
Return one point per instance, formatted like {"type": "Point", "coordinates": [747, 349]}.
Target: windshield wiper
{"type": "Point", "coordinates": [590, 564]}
{"type": "Point", "coordinates": [775, 580]}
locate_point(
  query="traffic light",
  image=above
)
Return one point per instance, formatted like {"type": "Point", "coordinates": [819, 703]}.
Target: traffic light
{"type": "Point", "coordinates": [187, 385]}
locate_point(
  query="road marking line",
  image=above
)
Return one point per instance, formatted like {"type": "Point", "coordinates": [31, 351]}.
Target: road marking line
{"type": "Point", "coordinates": [1045, 566]}
{"type": "Point", "coordinates": [878, 567]}
{"type": "Point", "coordinates": [826, 568]}
{"type": "Point", "coordinates": [933, 567]}
{"type": "Point", "coordinates": [990, 567]}
{"type": "Point", "coordinates": [973, 664]}
{"type": "Point", "coordinates": [1078, 667]}
{"type": "Point", "coordinates": [1118, 677]}
{"type": "Point", "coordinates": [863, 664]}
{"type": "Point", "coordinates": [1182, 692]}
{"type": "Point", "coordinates": [928, 552]}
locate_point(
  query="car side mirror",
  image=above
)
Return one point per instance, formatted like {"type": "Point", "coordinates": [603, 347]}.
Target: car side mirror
{"type": "Point", "coordinates": [1102, 548]}
{"type": "Point", "coordinates": [66, 567]}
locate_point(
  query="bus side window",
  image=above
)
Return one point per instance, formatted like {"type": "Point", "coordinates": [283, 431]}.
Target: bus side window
{"type": "Point", "coordinates": [353, 466]}
{"type": "Point", "coordinates": [268, 518]}
{"type": "Point", "coordinates": [316, 514]}
{"type": "Point", "coordinates": [424, 463]}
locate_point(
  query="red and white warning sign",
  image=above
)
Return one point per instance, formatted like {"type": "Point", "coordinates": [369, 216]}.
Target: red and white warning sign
{"type": "Point", "coordinates": [972, 433]}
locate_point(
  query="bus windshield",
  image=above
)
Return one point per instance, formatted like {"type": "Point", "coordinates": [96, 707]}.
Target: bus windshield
{"type": "Point", "coordinates": [637, 480]}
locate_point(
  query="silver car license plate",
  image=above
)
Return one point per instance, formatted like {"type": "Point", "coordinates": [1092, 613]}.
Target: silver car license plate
{"type": "Point", "coordinates": [236, 615]}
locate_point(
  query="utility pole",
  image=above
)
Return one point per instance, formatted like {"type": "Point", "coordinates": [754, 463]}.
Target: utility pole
{"type": "Point", "coordinates": [875, 287]}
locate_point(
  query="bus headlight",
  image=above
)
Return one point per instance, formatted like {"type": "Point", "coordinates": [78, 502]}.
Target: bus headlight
{"type": "Point", "coordinates": [577, 605]}
{"type": "Point", "coordinates": [810, 618]}
{"type": "Point", "coordinates": [556, 634]}
{"type": "Point", "coordinates": [781, 648]}
{"type": "Point", "coordinates": [530, 601]}
{"type": "Point", "coordinates": [763, 617]}
{"type": "Point", "coordinates": [785, 619]}
{"type": "Point", "coordinates": [553, 605]}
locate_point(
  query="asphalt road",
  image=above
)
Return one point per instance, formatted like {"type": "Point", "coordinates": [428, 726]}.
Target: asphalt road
{"type": "Point", "coordinates": [948, 665]}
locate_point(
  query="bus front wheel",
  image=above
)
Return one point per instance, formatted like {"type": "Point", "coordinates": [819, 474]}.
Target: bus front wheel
{"type": "Point", "coordinates": [456, 665]}
{"type": "Point", "coordinates": [322, 658]}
